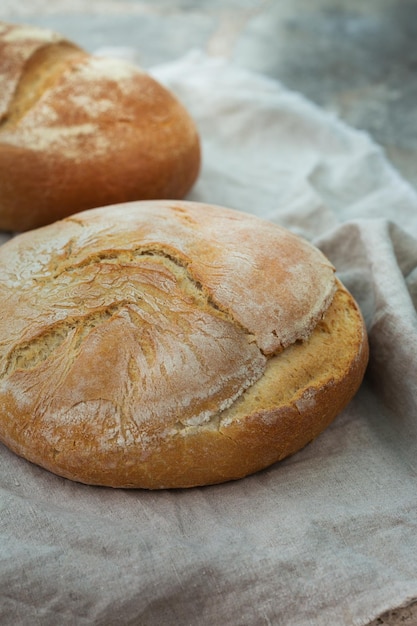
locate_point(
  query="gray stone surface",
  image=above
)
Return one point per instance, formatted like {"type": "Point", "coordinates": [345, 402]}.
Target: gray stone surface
{"type": "Point", "coordinates": [357, 59]}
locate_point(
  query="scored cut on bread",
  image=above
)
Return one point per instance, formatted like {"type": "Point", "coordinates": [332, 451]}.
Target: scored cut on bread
{"type": "Point", "coordinates": [79, 131]}
{"type": "Point", "coordinates": [170, 344]}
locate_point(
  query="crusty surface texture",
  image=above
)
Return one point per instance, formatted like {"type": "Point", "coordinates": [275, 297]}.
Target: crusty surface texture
{"type": "Point", "coordinates": [170, 344]}
{"type": "Point", "coordinates": [79, 131]}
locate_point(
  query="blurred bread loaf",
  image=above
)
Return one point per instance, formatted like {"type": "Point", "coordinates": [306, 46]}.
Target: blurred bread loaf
{"type": "Point", "coordinates": [170, 344]}
{"type": "Point", "coordinates": [79, 131]}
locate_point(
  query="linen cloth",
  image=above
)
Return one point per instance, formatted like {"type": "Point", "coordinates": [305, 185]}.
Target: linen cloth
{"type": "Point", "coordinates": [327, 537]}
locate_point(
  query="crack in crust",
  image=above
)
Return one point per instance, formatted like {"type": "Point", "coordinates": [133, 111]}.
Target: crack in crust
{"type": "Point", "coordinates": [40, 72]}
{"type": "Point", "coordinates": [76, 328]}
{"type": "Point", "coordinates": [29, 354]}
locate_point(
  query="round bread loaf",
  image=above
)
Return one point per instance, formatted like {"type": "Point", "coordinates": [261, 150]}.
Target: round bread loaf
{"type": "Point", "coordinates": [79, 131]}
{"type": "Point", "coordinates": [165, 344]}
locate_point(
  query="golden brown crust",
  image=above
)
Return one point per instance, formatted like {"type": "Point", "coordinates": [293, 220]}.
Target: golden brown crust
{"type": "Point", "coordinates": [132, 356]}
{"type": "Point", "coordinates": [78, 131]}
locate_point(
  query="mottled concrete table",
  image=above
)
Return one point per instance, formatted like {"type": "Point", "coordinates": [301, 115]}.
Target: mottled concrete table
{"type": "Point", "coordinates": [357, 59]}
